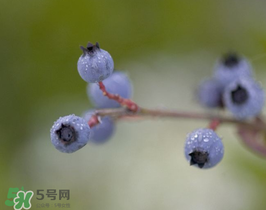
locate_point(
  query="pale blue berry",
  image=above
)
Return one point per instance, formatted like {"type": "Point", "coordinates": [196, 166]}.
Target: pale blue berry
{"type": "Point", "coordinates": [244, 98]}
{"type": "Point", "coordinates": [210, 93]}
{"type": "Point", "coordinates": [117, 83]}
{"type": "Point", "coordinates": [103, 131]}
{"type": "Point", "coordinates": [70, 133]}
{"type": "Point", "coordinates": [203, 148]}
{"type": "Point", "coordinates": [95, 64]}
{"type": "Point", "coordinates": [232, 67]}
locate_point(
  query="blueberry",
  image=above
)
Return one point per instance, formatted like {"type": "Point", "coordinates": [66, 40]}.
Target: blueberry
{"type": "Point", "coordinates": [117, 83]}
{"type": "Point", "coordinates": [70, 133]}
{"type": "Point", "coordinates": [95, 64]}
{"type": "Point", "coordinates": [210, 92]}
{"type": "Point", "coordinates": [244, 98]}
{"type": "Point", "coordinates": [203, 148]}
{"type": "Point", "coordinates": [231, 67]}
{"type": "Point", "coordinates": [102, 132]}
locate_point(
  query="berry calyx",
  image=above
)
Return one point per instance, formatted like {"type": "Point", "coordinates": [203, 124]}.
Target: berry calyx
{"type": "Point", "coordinates": [91, 48]}
{"type": "Point", "coordinates": [199, 157]}
{"type": "Point", "coordinates": [66, 134]}
{"type": "Point", "coordinates": [231, 59]}
{"type": "Point", "coordinates": [239, 95]}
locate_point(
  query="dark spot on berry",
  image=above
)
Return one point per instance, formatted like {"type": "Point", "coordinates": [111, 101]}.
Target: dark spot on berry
{"type": "Point", "coordinates": [199, 157]}
{"type": "Point", "coordinates": [231, 60]}
{"type": "Point", "coordinates": [239, 95]}
{"type": "Point", "coordinates": [67, 134]}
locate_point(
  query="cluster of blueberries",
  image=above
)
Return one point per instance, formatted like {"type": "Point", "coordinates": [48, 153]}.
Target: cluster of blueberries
{"type": "Point", "coordinates": [232, 86]}
{"type": "Point", "coordinates": [71, 133]}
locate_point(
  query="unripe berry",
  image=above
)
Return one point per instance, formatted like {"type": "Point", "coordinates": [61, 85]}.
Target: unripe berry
{"type": "Point", "coordinates": [70, 133]}
{"type": "Point", "coordinates": [244, 98]}
{"type": "Point", "coordinates": [203, 148]}
{"type": "Point", "coordinates": [95, 64]}
{"type": "Point", "coordinates": [210, 93]}
{"type": "Point", "coordinates": [232, 67]}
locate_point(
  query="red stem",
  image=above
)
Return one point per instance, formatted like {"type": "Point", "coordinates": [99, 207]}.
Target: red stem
{"type": "Point", "coordinates": [214, 124]}
{"type": "Point", "coordinates": [94, 120]}
{"type": "Point", "coordinates": [132, 106]}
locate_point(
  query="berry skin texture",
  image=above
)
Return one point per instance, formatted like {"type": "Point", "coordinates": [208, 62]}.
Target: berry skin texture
{"type": "Point", "coordinates": [117, 83]}
{"type": "Point", "coordinates": [231, 67]}
{"type": "Point", "coordinates": [244, 98]}
{"type": "Point", "coordinates": [210, 93]}
{"type": "Point", "coordinates": [203, 148]}
{"type": "Point", "coordinates": [70, 133]}
{"type": "Point", "coordinates": [95, 64]}
{"type": "Point", "coordinates": [102, 132]}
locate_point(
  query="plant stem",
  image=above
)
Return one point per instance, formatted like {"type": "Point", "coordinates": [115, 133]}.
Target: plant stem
{"type": "Point", "coordinates": [163, 113]}
{"type": "Point", "coordinates": [123, 101]}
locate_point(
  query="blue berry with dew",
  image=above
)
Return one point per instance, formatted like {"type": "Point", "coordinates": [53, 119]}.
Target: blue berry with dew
{"type": "Point", "coordinates": [117, 83]}
{"type": "Point", "coordinates": [95, 64]}
{"type": "Point", "coordinates": [203, 148]}
{"type": "Point", "coordinates": [210, 93]}
{"type": "Point", "coordinates": [244, 98]}
{"type": "Point", "coordinates": [231, 67]}
{"type": "Point", "coordinates": [70, 133]}
{"type": "Point", "coordinates": [103, 131]}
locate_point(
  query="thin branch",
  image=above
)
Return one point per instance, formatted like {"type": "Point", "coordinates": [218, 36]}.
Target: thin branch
{"type": "Point", "coordinates": [131, 105]}
{"type": "Point", "coordinates": [163, 113]}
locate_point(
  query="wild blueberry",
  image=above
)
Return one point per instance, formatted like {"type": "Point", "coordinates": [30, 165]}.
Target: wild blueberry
{"type": "Point", "coordinates": [209, 93]}
{"type": "Point", "coordinates": [95, 64]}
{"type": "Point", "coordinates": [244, 98]}
{"type": "Point", "coordinates": [102, 132]}
{"type": "Point", "coordinates": [231, 67]}
{"type": "Point", "coordinates": [117, 83]}
{"type": "Point", "coordinates": [203, 148]}
{"type": "Point", "coordinates": [70, 133]}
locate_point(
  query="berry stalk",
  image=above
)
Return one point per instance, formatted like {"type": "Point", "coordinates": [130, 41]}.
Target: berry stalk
{"type": "Point", "coordinates": [132, 106]}
{"type": "Point", "coordinates": [214, 124]}
{"type": "Point", "coordinates": [94, 120]}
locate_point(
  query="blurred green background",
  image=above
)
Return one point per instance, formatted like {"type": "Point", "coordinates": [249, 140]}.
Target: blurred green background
{"type": "Point", "coordinates": [166, 47]}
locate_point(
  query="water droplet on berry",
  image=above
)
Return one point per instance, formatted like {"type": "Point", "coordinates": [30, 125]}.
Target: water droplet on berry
{"type": "Point", "coordinates": [206, 140]}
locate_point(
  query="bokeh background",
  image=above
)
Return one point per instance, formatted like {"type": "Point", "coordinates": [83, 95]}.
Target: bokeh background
{"type": "Point", "coordinates": [166, 47]}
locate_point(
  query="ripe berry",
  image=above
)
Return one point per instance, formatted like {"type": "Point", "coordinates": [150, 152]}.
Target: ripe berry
{"type": "Point", "coordinates": [117, 83]}
{"type": "Point", "coordinates": [95, 64]}
{"type": "Point", "coordinates": [231, 67]}
{"type": "Point", "coordinates": [244, 98]}
{"type": "Point", "coordinates": [203, 148]}
{"type": "Point", "coordinates": [210, 93]}
{"type": "Point", "coordinates": [102, 132]}
{"type": "Point", "coordinates": [70, 133]}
